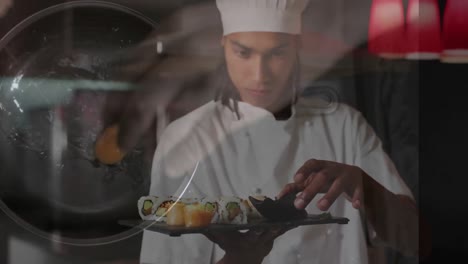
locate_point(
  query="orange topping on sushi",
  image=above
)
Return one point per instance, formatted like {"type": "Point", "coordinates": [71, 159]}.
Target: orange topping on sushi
{"type": "Point", "coordinates": [175, 215]}
{"type": "Point", "coordinates": [197, 216]}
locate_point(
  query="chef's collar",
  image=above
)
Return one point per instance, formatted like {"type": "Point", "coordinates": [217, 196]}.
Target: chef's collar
{"type": "Point", "coordinates": [285, 113]}
{"type": "Point", "coordinates": [248, 111]}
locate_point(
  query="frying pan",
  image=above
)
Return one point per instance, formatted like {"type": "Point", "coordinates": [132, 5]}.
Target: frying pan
{"type": "Point", "coordinates": [55, 73]}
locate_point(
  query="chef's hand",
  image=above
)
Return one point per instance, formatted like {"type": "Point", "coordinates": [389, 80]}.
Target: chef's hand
{"type": "Point", "coordinates": [250, 247]}
{"type": "Point", "coordinates": [174, 72]}
{"type": "Point", "coordinates": [143, 113]}
{"type": "Point", "coordinates": [331, 178]}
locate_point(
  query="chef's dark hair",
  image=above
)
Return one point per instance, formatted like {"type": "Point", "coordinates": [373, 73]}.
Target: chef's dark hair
{"type": "Point", "coordinates": [228, 91]}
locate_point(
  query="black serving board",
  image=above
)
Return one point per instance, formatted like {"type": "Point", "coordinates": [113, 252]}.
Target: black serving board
{"type": "Point", "coordinates": [254, 224]}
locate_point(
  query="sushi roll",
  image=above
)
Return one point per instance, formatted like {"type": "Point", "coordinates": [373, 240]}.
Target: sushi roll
{"type": "Point", "coordinates": [147, 207]}
{"type": "Point", "coordinates": [186, 201]}
{"type": "Point", "coordinates": [211, 205]}
{"type": "Point", "coordinates": [232, 210]}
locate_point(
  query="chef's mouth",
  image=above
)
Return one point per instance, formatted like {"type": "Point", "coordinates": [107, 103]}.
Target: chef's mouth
{"type": "Point", "coordinates": [258, 92]}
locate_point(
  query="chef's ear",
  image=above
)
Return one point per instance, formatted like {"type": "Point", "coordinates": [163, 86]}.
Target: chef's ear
{"type": "Point", "coordinates": [223, 41]}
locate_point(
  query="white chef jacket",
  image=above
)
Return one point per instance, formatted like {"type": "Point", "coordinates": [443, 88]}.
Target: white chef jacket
{"type": "Point", "coordinates": [238, 156]}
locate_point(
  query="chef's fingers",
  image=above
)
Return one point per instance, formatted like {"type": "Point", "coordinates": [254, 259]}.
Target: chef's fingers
{"type": "Point", "coordinates": [149, 142]}
{"type": "Point", "coordinates": [216, 238]}
{"type": "Point", "coordinates": [210, 236]}
{"type": "Point", "coordinates": [357, 199]}
{"type": "Point", "coordinates": [272, 234]}
{"type": "Point", "coordinates": [260, 235]}
{"type": "Point", "coordinates": [316, 184]}
{"type": "Point", "coordinates": [183, 25]}
{"type": "Point", "coordinates": [171, 55]}
{"type": "Point", "coordinates": [332, 194]}
{"type": "Point", "coordinates": [225, 238]}
{"type": "Point", "coordinates": [297, 187]}
{"type": "Point", "coordinates": [290, 188]}
{"type": "Point", "coordinates": [256, 232]}
{"type": "Point", "coordinates": [160, 99]}
{"type": "Point", "coordinates": [309, 168]}
{"type": "Point", "coordinates": [137, 119]}
{"type": "Point", "coordinates": [252, 236]}
{"type": "Point", "coordinates": [187, 31]}
{"type": "Point", "coordinates": [130, 64]}
{"type": "Point", "coordinates": [189, 20]}
{"type": "Point", "coordinates": [176, 52]}
{"type": "Point", "coordinates": [161, 67]}
{"type": "Point", "coordinates": [145, 105]}
{"type": "Point", "coordinates": [114, 106]}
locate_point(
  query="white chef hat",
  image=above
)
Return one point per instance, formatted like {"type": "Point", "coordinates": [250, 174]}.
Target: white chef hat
{"type": "Point", "coordinates": [284, 16]}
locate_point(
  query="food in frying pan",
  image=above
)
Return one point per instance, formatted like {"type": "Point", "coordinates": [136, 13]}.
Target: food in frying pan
{"type": "Point", "coordinates": [107, 150]}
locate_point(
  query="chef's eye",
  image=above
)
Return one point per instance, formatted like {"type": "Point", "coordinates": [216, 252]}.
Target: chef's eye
{"type": "Point", "coordinates": [243, 53]}
{"type": "Point", "coordinates": [278, 53]}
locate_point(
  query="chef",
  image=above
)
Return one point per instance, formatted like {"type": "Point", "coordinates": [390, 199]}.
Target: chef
{"type": "Point", "coordinates": [259, 136]}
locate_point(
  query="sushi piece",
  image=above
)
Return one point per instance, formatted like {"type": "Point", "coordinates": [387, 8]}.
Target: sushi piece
{"type": "Point", "coordinates": [176, 214]}
{"type": "Point", "coordinates": [147, 207]}
{"type": "Point", "coordinates": [162, 208]}
{"type": "Point", "coordinates": [197, 215]}
{"type": "Point", "coordinates": [211, 205]}
{"type": "Point", "coordinates": [232, 210]}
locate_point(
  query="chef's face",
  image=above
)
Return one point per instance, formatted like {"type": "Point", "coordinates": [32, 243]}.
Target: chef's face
{"type": "Point", "coordinates": [260, 65]}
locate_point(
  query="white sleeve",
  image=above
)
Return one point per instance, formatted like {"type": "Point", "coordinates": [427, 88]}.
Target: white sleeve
{"type": "Point", "coordinates": [372, 159]}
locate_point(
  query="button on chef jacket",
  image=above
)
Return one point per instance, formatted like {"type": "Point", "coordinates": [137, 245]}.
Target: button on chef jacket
{"type": "Point", "coordinates": [254, 152]}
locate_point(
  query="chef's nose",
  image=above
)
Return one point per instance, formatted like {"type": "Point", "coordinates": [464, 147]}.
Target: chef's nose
{"type": "Point", "coordinates": [261, 71]}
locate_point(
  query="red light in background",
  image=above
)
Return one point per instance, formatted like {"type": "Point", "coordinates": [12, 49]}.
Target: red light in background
{"type": "Point", "coordinates": [387, 29]}
{"type": "Point", "coordinates": [423, 32]}
{"type": "Point", "coordinates": [455, 32]}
